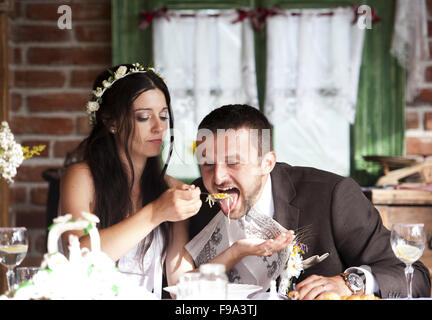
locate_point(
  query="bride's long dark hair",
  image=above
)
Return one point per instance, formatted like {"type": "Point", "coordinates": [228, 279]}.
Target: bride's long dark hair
{"type": "Point", "coordinates": [112, 186]}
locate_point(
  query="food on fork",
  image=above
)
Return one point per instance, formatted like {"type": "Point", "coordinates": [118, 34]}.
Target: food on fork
{"type": "Point", "coordinates": [213, 197]}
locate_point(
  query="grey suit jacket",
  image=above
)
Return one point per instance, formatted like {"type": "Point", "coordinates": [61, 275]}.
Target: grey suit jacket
{"type": "Point", "coordinates": [342, 221]}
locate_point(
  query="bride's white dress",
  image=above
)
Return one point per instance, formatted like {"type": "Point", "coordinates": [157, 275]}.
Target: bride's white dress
{"type": "Point", "coordinates": [150, 276]}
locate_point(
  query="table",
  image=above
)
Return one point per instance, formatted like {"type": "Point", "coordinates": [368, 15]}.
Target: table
{"type": "Point", "coordinates": [403, 206]}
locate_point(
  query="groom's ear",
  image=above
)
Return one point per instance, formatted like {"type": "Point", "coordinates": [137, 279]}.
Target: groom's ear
{"type": "Point", "coordinates": [268, 162]}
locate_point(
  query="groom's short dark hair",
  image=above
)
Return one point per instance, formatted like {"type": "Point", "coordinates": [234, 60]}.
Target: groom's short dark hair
{"type": "Point", "coordinates": [236, 116]}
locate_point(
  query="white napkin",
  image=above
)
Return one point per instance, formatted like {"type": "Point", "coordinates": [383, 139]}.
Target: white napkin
{"type": "Point", "coordinates": [221, 233]}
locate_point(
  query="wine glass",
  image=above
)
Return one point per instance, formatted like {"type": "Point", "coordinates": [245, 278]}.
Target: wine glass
{"type": "Point", "coordinates": [13, 249]}
{"type": "Point", "coordinates": [408, 242]}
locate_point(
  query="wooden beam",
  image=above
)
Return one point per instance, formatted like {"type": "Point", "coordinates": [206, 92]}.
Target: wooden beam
{"type": "Point", "coordinates": [4, 102]}
{"type": "Point", "coordinates": [6, 7]}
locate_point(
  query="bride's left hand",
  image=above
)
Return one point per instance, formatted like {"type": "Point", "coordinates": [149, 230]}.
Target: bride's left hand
{"type": "Point", "coordinates": [260, 247]}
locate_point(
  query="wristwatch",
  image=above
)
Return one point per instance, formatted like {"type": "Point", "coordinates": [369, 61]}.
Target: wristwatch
{"type": "Point", "coordinates": [354, 282]}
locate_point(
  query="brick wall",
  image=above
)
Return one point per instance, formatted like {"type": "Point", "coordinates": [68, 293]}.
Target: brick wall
{"type": "Point", "coordinates": [51, 74]}
{"type": "Point", "coordinates": [419, 113]}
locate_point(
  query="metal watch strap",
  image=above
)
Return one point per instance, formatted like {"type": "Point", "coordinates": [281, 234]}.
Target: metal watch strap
{"type": "Point", "coordinates": [344, 276]}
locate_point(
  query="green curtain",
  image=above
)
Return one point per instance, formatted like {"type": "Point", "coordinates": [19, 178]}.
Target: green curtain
{"type": "Point", "coordinates": [379, 127]}
{"type": "Point", "coordinates": [129, 43]}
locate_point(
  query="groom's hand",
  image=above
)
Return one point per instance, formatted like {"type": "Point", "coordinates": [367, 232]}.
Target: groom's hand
{"type": "Point", "coordinates": [316, 286]}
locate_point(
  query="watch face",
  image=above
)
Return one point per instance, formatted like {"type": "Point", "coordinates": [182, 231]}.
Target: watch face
{"type": "Point", "coordinates": [355, 282]}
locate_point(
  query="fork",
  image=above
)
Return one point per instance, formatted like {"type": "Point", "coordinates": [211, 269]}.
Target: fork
{"type": "Point", "coordinates": [213, 197]}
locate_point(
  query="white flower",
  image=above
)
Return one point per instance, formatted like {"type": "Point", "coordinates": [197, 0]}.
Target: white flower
{"type": "Point", "coordinates": [98, 92]}
{"type": "Point", "coordinates": [11, 154]}
{"type": "Point", "coordinates": [106, 84]}
{"type": "Point", "coordinates": [121, 71]}
{"type": "Point", "coordinates": [294, 266]}
{"type": "Point", "coordinates": [92, 106]}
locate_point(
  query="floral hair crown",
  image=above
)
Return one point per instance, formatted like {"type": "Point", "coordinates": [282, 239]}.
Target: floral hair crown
{"type": "Point", "coordinates": [93, 105]}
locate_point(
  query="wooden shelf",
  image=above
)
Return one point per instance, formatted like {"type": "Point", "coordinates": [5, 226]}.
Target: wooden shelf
{"type": "Point", "coordinates": [401, 197]}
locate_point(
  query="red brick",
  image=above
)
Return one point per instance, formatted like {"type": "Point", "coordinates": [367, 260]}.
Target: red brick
{"type": "Point", "coordinates": [425, 95]}
{"type": "Point", "coordinates": [17, 195]}
{"type": "Point", "coordinates": [94, 10]}
{"type": "Point", "coordinates": [70, 56]}
{"type": "Point", "coordinates": [43, 11]}
{"type": "Point", "coordinates": [32, 143]}
{"type": "Point", "coordinates": [29, 173]}
{"type": "Point", "coordinates": [428, 74]}
{"type": "Point", "coordinates": [412, 145]}
{"type": "Point", "coordinates": [18, 11]}
{"type": "Point", "coordinates": [428, 120]}
{"type": "Point", "coordinates": [93, 32]}
{"type": "Point", "coordinates": [61, 148]}
{"type": "Point", "coordinates": [14, 55]}
{"type": "Point", "coordinates": [39, 79]}
{"type": "Point", "coordinates": [83, 125]}
{"type": "Point", "coordinates": [31, 218]}
{"type": "Point", "coordinates": [39, 196]}
{"type": "Point", "coordinates": [39, 33]}
{"type": "Point", "coordinates": [419, 146]}
{"type": "Point", "coordinates": [34, 125]}
{"type": "Point", "coordinates": [15, 101]}
{"type": "Point", "coordinates": [412, 120]}
{"type": "Point", "coordinates": [57, 102]}
{"type": "Point", "coordinates": [84, 78]}
{"type": "Point", "coordinates": [11, 79]}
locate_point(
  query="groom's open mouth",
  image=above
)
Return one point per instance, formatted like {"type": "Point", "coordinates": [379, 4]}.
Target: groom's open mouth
{"type": "Point", "coordinates": [229, 204]}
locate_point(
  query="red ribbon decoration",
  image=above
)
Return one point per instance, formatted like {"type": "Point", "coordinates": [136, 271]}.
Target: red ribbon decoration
{"type": "Point", "coordinates": [257, 16]}
{"type": "Point", "coordinates": [148, 16]}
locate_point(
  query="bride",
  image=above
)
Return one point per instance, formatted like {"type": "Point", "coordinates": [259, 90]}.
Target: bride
{"type": "Point", "coordinates": [121, 179]}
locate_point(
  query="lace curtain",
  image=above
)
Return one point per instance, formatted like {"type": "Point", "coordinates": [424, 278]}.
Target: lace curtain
{"type": "Point", "coordinates": [313, 65]}
{"type": "Point", "coordinates": [206, 61]}
{"type": "Point", "coordinates": [410, 42]}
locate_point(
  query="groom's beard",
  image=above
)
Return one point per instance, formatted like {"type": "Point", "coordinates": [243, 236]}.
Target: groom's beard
{"type": "Point", "coordinates": [252, 198]}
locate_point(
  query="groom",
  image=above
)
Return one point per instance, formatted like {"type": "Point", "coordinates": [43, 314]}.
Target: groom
{"type": "Point", "coordinates": [339, 220]}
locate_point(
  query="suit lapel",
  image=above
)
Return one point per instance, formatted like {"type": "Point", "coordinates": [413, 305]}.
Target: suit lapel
{"type": "Point", "coordinates": [283, 193]}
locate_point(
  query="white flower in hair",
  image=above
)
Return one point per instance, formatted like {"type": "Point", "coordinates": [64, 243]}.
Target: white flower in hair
{"type": "Point", "coordinates": [121, 71]}
{"type": "Point", "coordinates": [98, 92]}
{"type": "Point", "coordinates": [92, 106]}
{"type": "Point", "coordinates": [106, 84]}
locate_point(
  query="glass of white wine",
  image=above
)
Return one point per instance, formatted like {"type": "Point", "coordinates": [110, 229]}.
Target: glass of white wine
{"type": "Point", "coordinates": [13, 249]}
{"type": "Point", "coordinates": [408, 242]}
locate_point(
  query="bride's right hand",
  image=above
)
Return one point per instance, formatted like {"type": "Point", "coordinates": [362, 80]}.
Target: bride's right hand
{"type": "Point", "coordinates": [177, 204]}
